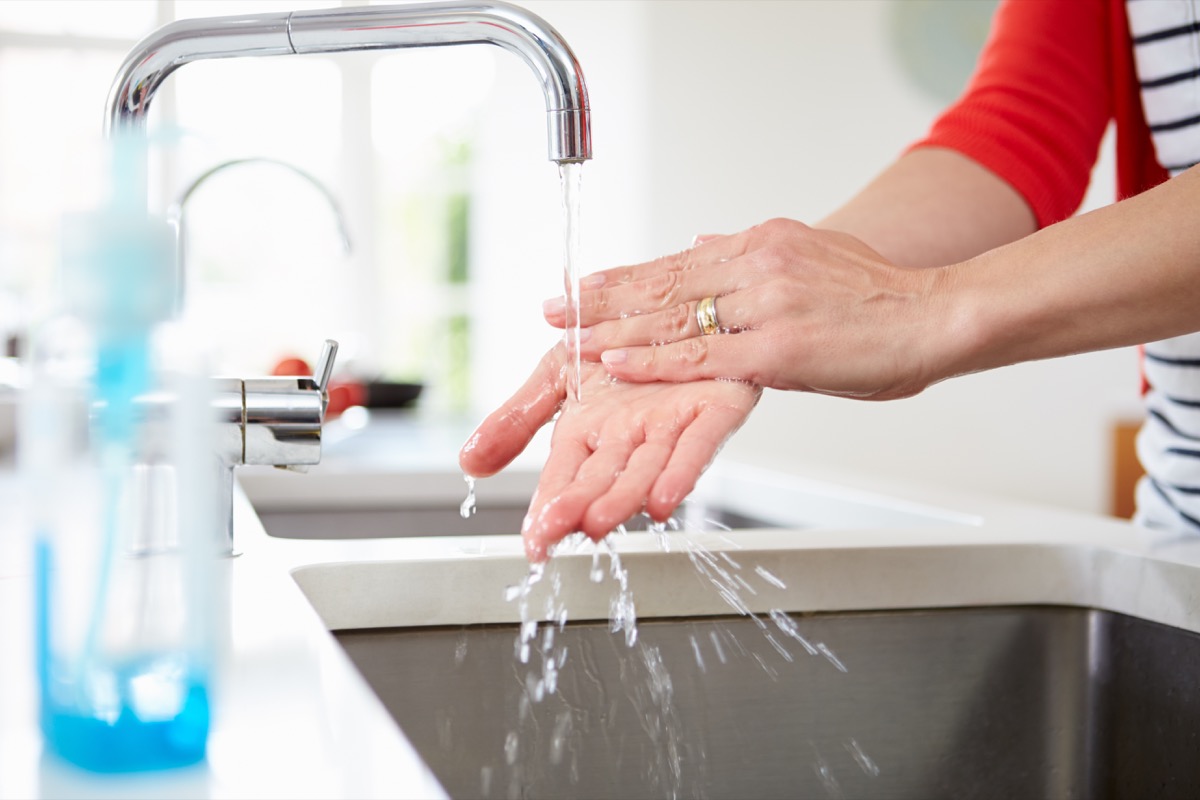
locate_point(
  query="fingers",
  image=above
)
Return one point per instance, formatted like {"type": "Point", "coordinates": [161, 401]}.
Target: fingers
{"type": "Point", "coordinates": [654, 285]}
{"type": "Point", "coordinates": [625, 301]}
{"type": "Point", "coordinates": [672, 325]}
{"type": "Point", "coordinates": [740, 356]}
{"type": "Point", "coordinates": [547, 521]}
{"type": "Point", "coordinates": [698, 445]}
{"type": "Point", "coordinates": [705, 249]}
{"type": "Point", "coordinates": [508, 430]}
{"type": "Point", "coordinates": [572, 479]}
{"type": "Point", "coordinates": [628, 494]}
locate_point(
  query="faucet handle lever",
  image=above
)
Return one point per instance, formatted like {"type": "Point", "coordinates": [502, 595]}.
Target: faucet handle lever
{"type": "Point", "coordinates": [324, 368]}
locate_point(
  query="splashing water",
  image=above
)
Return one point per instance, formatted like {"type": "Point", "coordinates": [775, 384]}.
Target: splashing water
{"type": "Point", "coordinates": [825, 773]}
{"type": "Point", "coordinates": [769, 577]}
{"type": "Point", "coordinates": [678, 761]}
{"type": "Point", "coordinates": [864, 761]}
{"type": "Point", "coordinates": [622, 614]}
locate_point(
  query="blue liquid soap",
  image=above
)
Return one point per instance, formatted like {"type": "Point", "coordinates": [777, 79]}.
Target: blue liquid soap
{"type": "Point", "coordinates": [146, 714]}
{"type": "Point", "coordinates": [117, 696]}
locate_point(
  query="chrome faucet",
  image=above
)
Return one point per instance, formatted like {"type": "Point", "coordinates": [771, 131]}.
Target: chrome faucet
{"type": "Point", "coordinates": [338, 30]}
{"type": "Point", "coordinates": [269, 421]}
{"type": "Point", "coordinates": [277, 421]}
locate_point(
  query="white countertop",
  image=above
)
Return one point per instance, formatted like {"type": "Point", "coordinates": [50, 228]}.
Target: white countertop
{"type": "Point", "coordinates": [292, 718]}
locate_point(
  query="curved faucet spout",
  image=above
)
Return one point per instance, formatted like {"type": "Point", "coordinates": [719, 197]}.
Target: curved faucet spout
{"type": "Point", "coordinates": [336, 30]}
{"type": "Point", "coordinates": [177, 219]}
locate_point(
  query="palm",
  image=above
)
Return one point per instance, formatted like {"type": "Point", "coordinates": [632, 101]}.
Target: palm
{"type": "Point", "coordinates": [625, 448]}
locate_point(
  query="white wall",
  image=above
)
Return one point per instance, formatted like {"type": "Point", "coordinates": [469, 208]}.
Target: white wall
{"type": "Point", "coordinates": [713, 116]}
{"type": "Point", "coordinates": [517, 239]}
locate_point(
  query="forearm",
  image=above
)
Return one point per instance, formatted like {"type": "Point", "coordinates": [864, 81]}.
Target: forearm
{"type": "Point", "coordinates": [934, 207]}
{"type": "Point", "coordinates": [1125, 274]}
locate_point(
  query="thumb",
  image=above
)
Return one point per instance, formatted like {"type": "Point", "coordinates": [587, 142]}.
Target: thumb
{"type": "Point", "coordinates": [508, 430]}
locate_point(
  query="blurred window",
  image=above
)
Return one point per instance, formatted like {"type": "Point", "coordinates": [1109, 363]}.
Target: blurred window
{"type": "Point", "coordinates": [389, 135]}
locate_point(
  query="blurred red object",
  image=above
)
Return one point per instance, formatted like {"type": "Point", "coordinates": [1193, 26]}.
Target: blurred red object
{"type": "Point", "coordinates": [292, 366]}
{"type": "Point", "coordinates": [342, 395]}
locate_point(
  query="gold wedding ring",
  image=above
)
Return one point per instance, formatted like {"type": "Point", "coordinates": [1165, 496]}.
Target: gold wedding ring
{"type": "Point", "coordinates": [706, 316]}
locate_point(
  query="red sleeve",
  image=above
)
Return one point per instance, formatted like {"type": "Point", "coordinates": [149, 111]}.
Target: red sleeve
{"type": "Point", "coordinates": [1037, 106]}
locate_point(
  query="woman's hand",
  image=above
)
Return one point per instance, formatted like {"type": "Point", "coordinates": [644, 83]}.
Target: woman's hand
{"type": "Point", "coordinates": [628, 447]}
{"type": "Point", "coordinates": [798, 308]}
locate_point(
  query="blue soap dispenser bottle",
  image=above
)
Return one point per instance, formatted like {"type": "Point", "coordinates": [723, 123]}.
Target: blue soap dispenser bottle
{"type": "Point", "coordinates": [115, 446]}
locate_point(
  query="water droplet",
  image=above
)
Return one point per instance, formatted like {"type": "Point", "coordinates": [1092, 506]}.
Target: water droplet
{"type": "Point", "coordinates": [467, 509]}
{"type": "Point", "coordinates": [460, 649]}
{"type": "Point", "coordinates": [783, 651]}
{"type": "Point", "coordinates": [864, 761]}
{"type": "Point", "coordinates": [742, 582]}
{"type": "Point", "coordinates": [770, 578]}
{"type": "Point", "coordinates": [825, 651]}
{"type": "Point", "coordinates": [717, 646]}
{"type": "Point", "coordinates": [696, 650]}
{"type": "Point", "coordinates": [511, 744]}
{"type": "Point", "coordinates": [825, 773]}
{"type": "Point", "coordinates": [558, 740]}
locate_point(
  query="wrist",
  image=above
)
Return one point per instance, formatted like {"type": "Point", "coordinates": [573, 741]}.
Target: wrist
{"type": "Point", "coordinates": [961, 319]}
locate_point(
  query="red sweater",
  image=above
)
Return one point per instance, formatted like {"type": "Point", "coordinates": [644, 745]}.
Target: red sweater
{"type": "Point", "coordinates": [1051, 76]}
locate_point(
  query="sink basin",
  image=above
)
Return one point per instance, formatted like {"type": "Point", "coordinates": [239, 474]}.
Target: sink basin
{"type": "Point", "coordinates": [842, 644]}
{"type": "Point", "coordinates": [960, 703]}
{"type": "Point", "coordinates": [957, 664]}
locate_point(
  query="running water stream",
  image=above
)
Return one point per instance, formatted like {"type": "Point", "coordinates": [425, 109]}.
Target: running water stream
{"type": "Point", "coordinates": [570, 176]}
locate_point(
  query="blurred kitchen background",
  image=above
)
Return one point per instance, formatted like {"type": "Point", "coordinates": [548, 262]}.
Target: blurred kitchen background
{"type": "Point", "coordinates": [709, 117]}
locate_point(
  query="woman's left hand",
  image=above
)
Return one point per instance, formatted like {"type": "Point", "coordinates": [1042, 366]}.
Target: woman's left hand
{"type": "Point", "coordinates": [796, 308]}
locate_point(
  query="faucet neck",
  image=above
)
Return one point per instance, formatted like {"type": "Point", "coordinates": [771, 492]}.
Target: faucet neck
{"type": "Point", "coordinates": [339, 30]}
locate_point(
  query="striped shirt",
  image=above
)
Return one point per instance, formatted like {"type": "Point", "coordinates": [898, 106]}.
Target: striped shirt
{"type": "Point", "coordinates": [1053, 75]}
{"type": "Point", "coordinates": [1166, 51]}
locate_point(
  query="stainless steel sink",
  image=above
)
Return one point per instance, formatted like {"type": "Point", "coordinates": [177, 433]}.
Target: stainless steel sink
{"type": "Point", "coordinates": [1006, 702]}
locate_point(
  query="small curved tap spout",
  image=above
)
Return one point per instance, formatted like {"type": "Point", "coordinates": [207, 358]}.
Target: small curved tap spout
{"type": "Point", "coordinates": [176, 216]}
{"type": "Point", "coordinates": [368, 28]}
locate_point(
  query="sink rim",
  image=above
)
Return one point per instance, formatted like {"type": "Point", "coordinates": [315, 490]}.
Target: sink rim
{"type": "Point", "coordinates": [861, 571]}
{"type": "Point", "coordinates": [784, 500]}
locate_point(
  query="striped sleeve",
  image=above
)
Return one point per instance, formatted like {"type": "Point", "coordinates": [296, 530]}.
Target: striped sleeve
{"type": "Point", "coordinates": [1166, 45]}
{"type": "Point", "coordinates": [1169, 441]}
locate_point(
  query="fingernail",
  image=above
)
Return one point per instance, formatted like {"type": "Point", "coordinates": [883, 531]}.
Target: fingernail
{"type": "Point", "coordinates": [614, 356]}
{"type": "Point", "coordinates": [591, 282]}
{"type": "Point", "coordinates": [553, 306]}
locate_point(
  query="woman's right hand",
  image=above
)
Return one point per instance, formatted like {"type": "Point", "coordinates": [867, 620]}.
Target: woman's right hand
{"type": "Point", "coordinates": [628, 447]}
{"type": "Point", "coordinates": [798, 308]}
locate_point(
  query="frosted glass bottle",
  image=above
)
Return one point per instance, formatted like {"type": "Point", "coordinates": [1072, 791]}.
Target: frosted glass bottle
{"type": "Point", "coordinates": [115, 447]}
